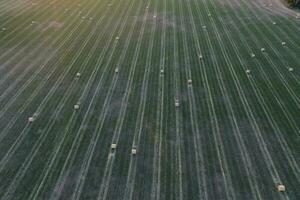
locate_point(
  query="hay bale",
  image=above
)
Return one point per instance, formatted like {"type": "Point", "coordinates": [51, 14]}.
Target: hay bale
{"type": "Point", "coordinates": [176, 103]}
{"type": "Point", "coordinates": [291, 69]}
{"type": "Point", "coordinates": [252, 55]}
{"type": "Point", "coordinates": [280, 188]}
{"type": "Point", "coordinates": [113, 146]}
{"type": "Point", "coordinates": [76, 107]}
{"type": "Point", "coordinates": [30, 119]}
{"type": "Point", "coordinates": [133, 151]}
{"type": "Point", "coordinates": [263, 49]}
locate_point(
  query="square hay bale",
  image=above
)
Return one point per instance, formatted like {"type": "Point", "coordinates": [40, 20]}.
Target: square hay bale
{"type": "Point", "coordinates": [200, 56]}
{"type": "Point", "coordinates": [30, 119]}
{"type": "Point", "coordinates": [133, 151]}
{"type": "Point", "coordinates": [78, 74]}
{"type": "Point", "coordinates": [291, 69]}
{"type": "Point", "coordinates": [274, 23]}
{"type": "Point", "coordinates": [248, 71]}
{"type": "Point", "coordinates": [263, 49]}
{"type": "Point", "coordinates": [189, 81]}
{"type": "Point", "coordinates": [252, 55]}
{"type": "Point", "coordinates": [116, 70]}
{"type": "Point", "coordinates": [283, 43]}
{"type": "Point", "coordinates": [76, 107]}
{"type": "Point", "coordinates": [280, 188]}
{"type": "Point", "coordinates": [161, 71]}
{"type": "Point", "coordinates": [113, 146]}
{"type": "Point", "coordinates": [176, 103]}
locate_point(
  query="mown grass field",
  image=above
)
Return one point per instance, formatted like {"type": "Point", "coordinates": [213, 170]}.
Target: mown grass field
{"type": "Point", "coordinates": [235, 134]}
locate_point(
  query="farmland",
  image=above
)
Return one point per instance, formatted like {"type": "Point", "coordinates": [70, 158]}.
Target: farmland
{"type": "Point", "coordinates": [149, 100]}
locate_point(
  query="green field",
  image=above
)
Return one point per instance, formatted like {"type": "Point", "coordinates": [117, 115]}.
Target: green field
{"type": "Point", "coordinates": [206, 91]}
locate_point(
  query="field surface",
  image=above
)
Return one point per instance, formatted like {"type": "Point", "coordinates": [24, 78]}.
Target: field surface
{"type": "Point", "coordinates": [207, 92]}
